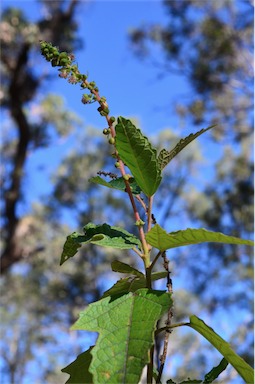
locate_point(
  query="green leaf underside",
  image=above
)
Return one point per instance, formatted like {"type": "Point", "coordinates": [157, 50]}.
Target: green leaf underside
{"type": "Point", "coordinates": [165, 156]}
{"type": "Point", "coordinates": [138, 154]}
{"type": "Point", "coordinates": [119, 266]}
{"type": "Point", "coordinates": [79, 369]}
{"type": "Point", "coordinates": [159, 238]}
{"type": "Point", "coordinates": [118, 183]}
{"type": "Point", "coordinates": [244, 370]}
{"type": "Point", "coordinates": [132, 284]}
{"type": "Point", "coordinates": [103, 235]}
{"type": "Point", "coordinates": [215, 372]}
{"type": "Point", "coordinates": [126, 325]}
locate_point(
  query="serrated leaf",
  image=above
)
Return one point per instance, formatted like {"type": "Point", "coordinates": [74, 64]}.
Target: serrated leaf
{"type": "Point", "coordinates": [70, 247]}
{"type": "Point", "coordinates": [119, 266]}
{"type": "Point", "coordinates": [132, 284]}
{"type": "Point", "coordinates": [125, 285]}
{"type": "Point", "coordinates": [159, 238]}
{"type": "Point", "coordinates": [118, 183]}
{"type": "Point", "coordinates": [215, 372]}
{"type": "Point", "coordinates": [79, 369]}
{"type": "Point", "coordinates": [103, 235]}
{"type": "Point", "coordinates": [244, 370]}
{"type": "Point", "coordinates": [165, 156]}
{"type": "Point", "coordinates": [138, 154]}
{"type": "Point", "coordinates": [126, 326]}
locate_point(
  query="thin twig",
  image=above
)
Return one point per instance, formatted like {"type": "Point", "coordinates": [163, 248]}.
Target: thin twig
{"type": "Point", "coordinates": [168, 320]}
{"type": "Point", "coordinates": [138, 197]}
{"type": "Point", "coordinates": [155, 260]}
{"type": "Point", "coordinates": [170, 327]}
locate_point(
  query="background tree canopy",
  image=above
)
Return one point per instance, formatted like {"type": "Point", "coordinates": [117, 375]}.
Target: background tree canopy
{"type": "Point", "coordinates": [209, 45]}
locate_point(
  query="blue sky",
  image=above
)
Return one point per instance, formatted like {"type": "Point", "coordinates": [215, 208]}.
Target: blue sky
{"type": "Point", "coordinates": [131, 87]}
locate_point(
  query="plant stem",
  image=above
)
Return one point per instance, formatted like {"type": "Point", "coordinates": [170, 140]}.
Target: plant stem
{"type": "Point", "coordinates": [170, 327]}
{"type": "Point", "coordinates": [150, 366]}
{"type": "Point", "coordinates": [155, 260]}
{"type": "Point", "coordinates": [168, 320]}
{"type": "Point", "coordinates": [148, 277]}
{"type": "Point", "coordinates": [128, 189]}
{"type": "Point", "coordinates": [149, 212]}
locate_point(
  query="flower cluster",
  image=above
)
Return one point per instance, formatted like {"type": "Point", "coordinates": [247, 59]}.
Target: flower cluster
{"type": "Point", "coordinates": [68, 70]}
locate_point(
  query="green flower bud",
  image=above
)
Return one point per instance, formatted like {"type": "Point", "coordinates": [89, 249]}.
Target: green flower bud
{"type": "Point", "coordinates": [43, 44]}
{"type": "Point", "coordinates": [139, 223]}
{"type": "Point", "coordinates": [64, 62]}
{"type": "Point", "coordinates": [126, 177]}
{"type": "Point", "coordinates": [55, 52]}
{"type": "Point", "coordinates": [112, 119]}
{"type": "Point", "coordinates": [92, 85]}
{"type": "Point", "coordinates": [106, 131]}
{"type": "Point", "coordinates": [44, 50]}
{"type": "Point", "coordinates": [103, 111]}
{"type": "Point", "coordinates": [63, 55]}
{"type": "Point", "coordinates": [117, 164]}
{"type": "Point", "coordinates": [111, 140]}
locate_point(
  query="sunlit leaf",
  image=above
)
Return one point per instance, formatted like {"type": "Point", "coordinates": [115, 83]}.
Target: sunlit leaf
{"type": "Point", "coordinates": [244, 370]}
{"type": "Point", "coordinates": [126, 326]}
{"type": "Point", "coordinates": [103, 235]}
{"type": "Point", "coordinates": [165, 156]}
{"type": "Point", "coordinates": [138, 154]}
{"type": "Point", "coordinates": [159, 238]}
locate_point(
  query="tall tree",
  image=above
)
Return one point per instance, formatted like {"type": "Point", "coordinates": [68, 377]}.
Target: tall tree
{"type": "Point", "coordinates": [21, 84]}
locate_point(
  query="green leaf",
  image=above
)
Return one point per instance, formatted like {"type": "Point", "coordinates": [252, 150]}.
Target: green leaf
{"type": "Point", "coordinates": [138, 154]}
{"type": "Point", "coordinates": [159, 238]}
{"type": "Point", "coordinates": [165, 156]}
{"type": "Point", "coordinates": [70, 247]}
{"type": "Point", "coordinates": [103, 235]}
{"type": "Point", "coordinates": [119, 266]}
{"type": "Point", "coordinates": [79, 369]}
{"type": "Point", "coordinates": [244, 370]}
{"type": "Point", "coordinates": [126, 285]}
{"type": "Point", "coordinates": [158, 275]}
{"type": "Point", "coordinates": [209, 377]}
{"type": "Point", "coordinates": [215, 372]}
{"type": "Point", "coordinates": [132, 284]}
{"type": "Point", "coordinates": [126, 326]}
{"type": "Point", "coordinates": [118, 183]}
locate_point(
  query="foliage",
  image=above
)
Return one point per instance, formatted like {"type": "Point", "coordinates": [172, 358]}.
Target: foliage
{"type": "Point", "coordinates": [126, 320]}
{"type": "Point", "coordinates": [208, 45]}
